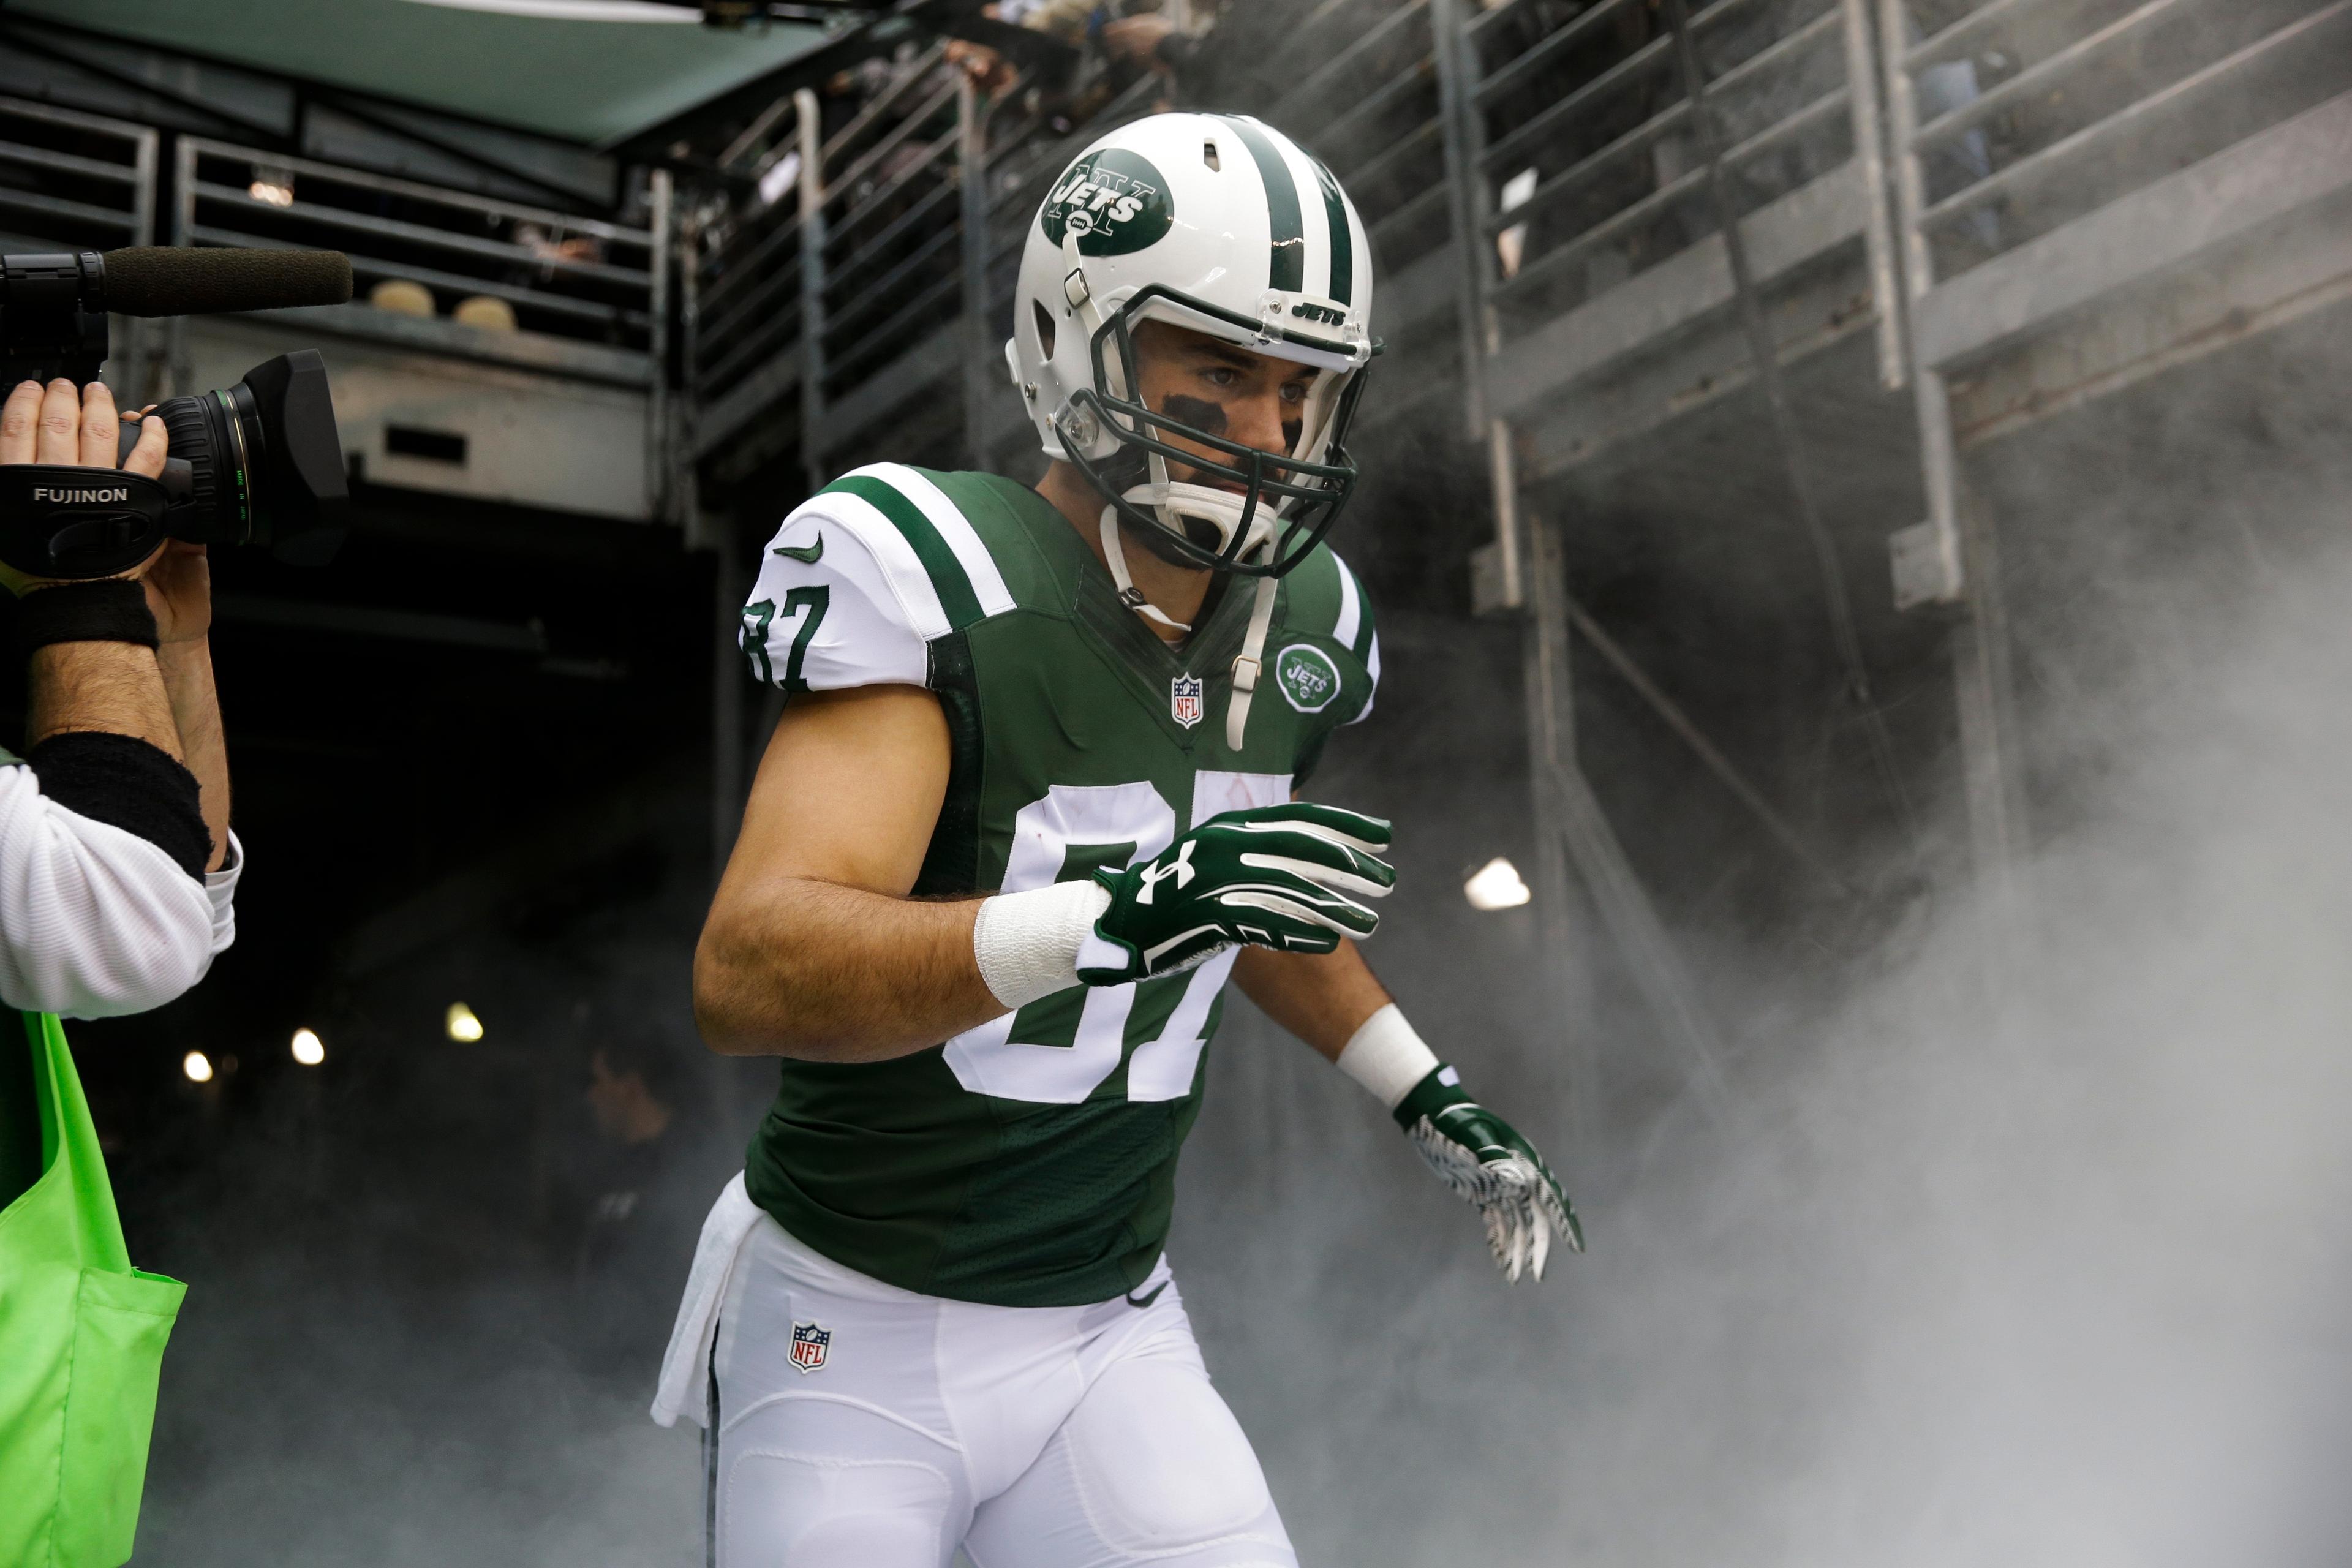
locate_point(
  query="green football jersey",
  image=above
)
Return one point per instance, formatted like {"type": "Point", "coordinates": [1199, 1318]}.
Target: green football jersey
{"type": "Point", "coordinates": [1030, 1162]}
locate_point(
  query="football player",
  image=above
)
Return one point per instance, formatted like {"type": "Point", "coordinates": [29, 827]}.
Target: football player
{"type": "Point", "coordinates": [1031, 804]}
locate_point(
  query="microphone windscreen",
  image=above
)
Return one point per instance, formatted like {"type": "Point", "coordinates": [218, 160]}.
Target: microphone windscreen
{"type": "Point", "coordinates": [179, 280]}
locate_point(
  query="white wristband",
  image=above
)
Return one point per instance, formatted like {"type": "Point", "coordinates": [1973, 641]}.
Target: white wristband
{"type": "Point", "coordinates": [1027, 944]}
{"type": "Point", "coordinates": [1386, 1057]}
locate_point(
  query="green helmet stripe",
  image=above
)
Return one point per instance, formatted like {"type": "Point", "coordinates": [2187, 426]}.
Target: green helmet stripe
{"type": "Point", "coordinates": [1343, 244]}
{"type": "Point", "coordinates": [948, 579]}
{"type": "Point", "coordinates": [1285, 268]}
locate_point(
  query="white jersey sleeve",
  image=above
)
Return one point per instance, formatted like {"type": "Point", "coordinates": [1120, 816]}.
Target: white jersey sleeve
{"type": "Point", "coordinates": [830, 611]}
{"type": "Point", "coordinates": [95, 922]}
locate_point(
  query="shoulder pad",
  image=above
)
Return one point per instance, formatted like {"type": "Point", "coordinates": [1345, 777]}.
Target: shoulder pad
{"type": "Point", "coordinates": [859, 581]}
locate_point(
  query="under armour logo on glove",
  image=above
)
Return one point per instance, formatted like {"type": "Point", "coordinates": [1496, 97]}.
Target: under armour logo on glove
{"type": "Point", "coordinates": [1180, 869]}
{"type": "Point", "coordinates": [1286, 877]}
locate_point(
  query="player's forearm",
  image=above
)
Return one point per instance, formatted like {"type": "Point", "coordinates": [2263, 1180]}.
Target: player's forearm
{"type": "Point", "coordinates": [1322, 998]}
{"type": "Point", "coordinates": [187, 668]}
{"type": "Point", "coordinates": [823, 972]}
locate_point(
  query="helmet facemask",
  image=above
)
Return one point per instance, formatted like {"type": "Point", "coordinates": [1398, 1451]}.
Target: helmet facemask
{"type": "Point", "coordinates": [1286, 503]}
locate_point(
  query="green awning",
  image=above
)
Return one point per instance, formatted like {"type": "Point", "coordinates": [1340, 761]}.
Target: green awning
{"type": "Point", "coordinates": [588, 81]}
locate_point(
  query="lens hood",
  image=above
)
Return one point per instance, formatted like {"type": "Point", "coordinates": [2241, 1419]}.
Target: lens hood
{"type": "Point", "coordinates": [301, 501]}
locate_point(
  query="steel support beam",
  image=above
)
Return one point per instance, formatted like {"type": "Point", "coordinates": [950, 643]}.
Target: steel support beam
{"type": "Point", "coordinates": [973, 145]}
{"type": "Point", "coordinates": [1954, 556]}
{"type": "Point", "coordinates": [812, 195]}
{"type": "Point", "coordinates": [1570, 821]}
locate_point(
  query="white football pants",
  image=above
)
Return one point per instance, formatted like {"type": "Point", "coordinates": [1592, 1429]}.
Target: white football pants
{"type": "Point", "coordinates": [1035, 1436]}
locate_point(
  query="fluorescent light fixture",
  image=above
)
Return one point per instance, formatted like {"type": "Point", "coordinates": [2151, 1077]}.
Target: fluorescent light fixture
{"type": "Point", "coordinates": [198, 1067]}
{"type": "Point", "coordinates": [463, 1026]}
{"type": "Point", "coordinates": [1497, 885]}
{"type": "Point", "coordinates": [577, 10]}
{"type": "Point", "coordinates": [308, 1049]}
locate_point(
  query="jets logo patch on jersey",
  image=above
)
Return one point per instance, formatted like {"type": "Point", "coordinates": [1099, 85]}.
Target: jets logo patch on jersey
{"type": "Point", "coordinates": [1308, 679]}
{"type": "Point", "coordinates": [810, 1344]}
{"type": "Point", "coordinates": [1184, 699]}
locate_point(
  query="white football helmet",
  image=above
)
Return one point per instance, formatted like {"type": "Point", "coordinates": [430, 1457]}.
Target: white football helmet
{"type": "Point", "coordinates": [1222, 223]}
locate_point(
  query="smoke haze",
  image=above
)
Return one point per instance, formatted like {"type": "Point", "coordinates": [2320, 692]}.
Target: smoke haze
{"type": "Point", "coordinates": [2057, 1283]}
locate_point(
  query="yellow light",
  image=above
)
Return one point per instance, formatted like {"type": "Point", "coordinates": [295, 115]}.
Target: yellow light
{"type": "Point", "coordinates": [198, 1067]}
{"type": "Point", "coordinates": [308, 1049]}
{"type": "Point", "coordinates": [464, 1027]}
{"type": "Point", "coordinates": [270, 191]}
{"type": "Point", "coordinates": [1496, 886]}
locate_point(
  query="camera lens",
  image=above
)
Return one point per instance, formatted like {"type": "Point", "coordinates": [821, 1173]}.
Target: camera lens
{"type": "Point", "coordinates": [265, 465]}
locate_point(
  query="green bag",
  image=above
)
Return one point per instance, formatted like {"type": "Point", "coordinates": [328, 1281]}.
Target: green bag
{"type": "Point", "coordinates": [81, 1332]}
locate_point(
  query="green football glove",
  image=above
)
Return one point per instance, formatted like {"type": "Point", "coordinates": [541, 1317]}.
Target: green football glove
{"type": "Point", "coordinates": [1482, 1158]}
{"type": "Point", "coordinates": [1285, 877]}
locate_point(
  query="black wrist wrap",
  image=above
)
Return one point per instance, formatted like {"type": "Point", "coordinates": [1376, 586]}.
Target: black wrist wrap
{"type": "Point", "coordinates": [126, 782]}
{"type": "Point", "coordinates": [110, 611]}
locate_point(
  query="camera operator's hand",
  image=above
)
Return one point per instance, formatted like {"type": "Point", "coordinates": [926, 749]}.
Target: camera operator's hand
{"type": "Point", "coordinates": [179, 580]}
{"type": "Point", "coordinates": [51, 425]}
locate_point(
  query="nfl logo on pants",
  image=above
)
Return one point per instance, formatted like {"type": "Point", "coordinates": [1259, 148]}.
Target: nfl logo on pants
{"type": "Point", "coordinates": [809, 1344]}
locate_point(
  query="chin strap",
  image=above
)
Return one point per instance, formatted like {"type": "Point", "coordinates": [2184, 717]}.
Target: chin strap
{"type": "Point", "coordinates": [1249, 666]}
{"type": "Point", "coordinates": [1114, 556]}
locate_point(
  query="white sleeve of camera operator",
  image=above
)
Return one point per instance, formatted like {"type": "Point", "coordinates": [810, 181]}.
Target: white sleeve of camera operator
{"type": "Point", "coordinates": [96, 923]}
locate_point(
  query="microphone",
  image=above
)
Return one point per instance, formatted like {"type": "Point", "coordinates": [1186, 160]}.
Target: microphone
{"type": "Point", "coordinates": [176, 281]}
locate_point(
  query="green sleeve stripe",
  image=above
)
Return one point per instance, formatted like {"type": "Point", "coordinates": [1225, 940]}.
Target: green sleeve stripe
{"type": "Point", "coordinates": [1353, 625]}
{"type": "Point", "coordinates": [948, 580]}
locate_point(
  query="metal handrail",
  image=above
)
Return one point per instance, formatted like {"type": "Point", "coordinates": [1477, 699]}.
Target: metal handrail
{"type": "Point", "coordinates": [2219, 77]}
{"type": "Point", "coordinates": [1556, 259]}
{"type": "Point", "coordinates": [884, 101]}
{"type": "Point", "coordinates": [340, 173]}
{"type": "Point", "coordinates": [71, 162]}
{"type": "Point", "coordinates": [926, 304]}
{"type": "Point", "coordinates": [642, 307]}
{"type": "Point", "coordinates": [1419, 73]}
{"type": "Point", "coordinates": [1966, 34]}
{"type": "Point", "coordinates": [425, 233]}
{"type": "Point", "coordinates": [847, 179]}
{"type": "Point", "coordinates": [1677, 115]}
{"type": "Point", "coordinates": [877, 292]}
{"type": "Point", "coordinates": [1499, 82]}
{"type": "Point", "coordinates": [734, 272]}
{"type": "Point", "coordinates": [2037, 77]}
{"type": "Point", "coordinates": [750, 348]}
{"type": "Point", "coordinates": [1539, 126]}
{"type": "Point", "coordinates": [881, 194]}
{"type": "Point", "coordinates": [369, 266]}
{"type": "Point", "coordinates": [900, 224]}
{"type": "Point", "coordinates": [135, 222]}
{"type": "Point", "coordinates": [1334, 68]}
{"type": "Point", "coordinates": [1417, 139]}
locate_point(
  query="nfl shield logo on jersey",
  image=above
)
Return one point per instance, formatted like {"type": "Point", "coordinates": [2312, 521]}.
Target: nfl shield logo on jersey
{"type": "Point", "coordinates": [1184, 699]}
{"type": "Point", "coordinates": [810, 1341]}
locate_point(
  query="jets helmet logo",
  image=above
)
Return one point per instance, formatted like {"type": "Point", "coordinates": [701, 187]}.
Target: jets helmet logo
{"type": "Point", "coordinates": [1113, 200]}
{"type": "Point", "coordinates": [1184, 699]}
{"type": "Point", "coordinates": [1308, 678]}
{"type": "Point", "coordinates": [810, 1344]}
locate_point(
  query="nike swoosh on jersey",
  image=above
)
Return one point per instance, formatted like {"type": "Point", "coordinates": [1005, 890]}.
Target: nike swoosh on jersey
{"type": "Point", "coordinates": [805, 554]}
{"type": "Point", "coordinates": [1148, 1300]}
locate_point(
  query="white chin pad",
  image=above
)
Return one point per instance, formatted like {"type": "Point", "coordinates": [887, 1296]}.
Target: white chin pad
{"type": "Point", "coordinates": [1172, 503]}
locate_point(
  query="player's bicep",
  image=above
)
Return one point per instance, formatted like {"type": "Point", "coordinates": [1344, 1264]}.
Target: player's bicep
{"type": "Point", "coordinates": [848, 791]}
